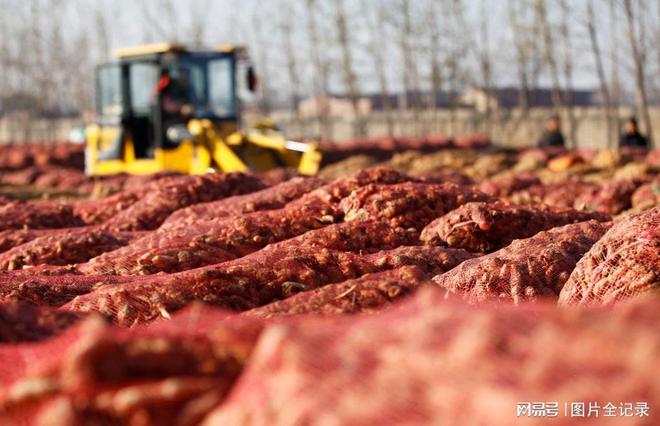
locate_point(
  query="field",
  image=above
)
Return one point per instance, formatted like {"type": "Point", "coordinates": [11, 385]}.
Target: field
{"type": "Point", "coordinates": [413, 281]}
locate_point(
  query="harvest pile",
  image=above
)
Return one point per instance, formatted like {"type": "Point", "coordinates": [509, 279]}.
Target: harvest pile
{"type": "Point", "coordinates": [452, 285]}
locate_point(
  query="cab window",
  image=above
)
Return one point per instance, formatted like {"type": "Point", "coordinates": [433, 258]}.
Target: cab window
{"type": "Point", "coordinates": [109, 90]}
{"type": "Point", "coordinates": [143, 81]}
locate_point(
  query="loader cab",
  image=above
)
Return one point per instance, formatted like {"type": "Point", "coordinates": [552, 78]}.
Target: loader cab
{"type": "Point", "coordinates": [148, 95]}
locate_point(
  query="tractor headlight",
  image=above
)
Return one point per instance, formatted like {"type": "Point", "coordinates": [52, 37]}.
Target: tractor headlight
{"type": "Point", "coordinates": [178, 133]}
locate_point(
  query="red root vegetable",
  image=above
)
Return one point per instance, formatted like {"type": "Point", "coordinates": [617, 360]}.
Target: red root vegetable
{"type": "Point", "coordinates": [528, 269]}
{"type": "Point", "coordinates": [253, 280]}
{"type": "Point", "coordinates": [486, 227]}
{"type": "Point", "coordinates": [409, 205]}
{"type": "Point", "coordinates": [367, 294]}
{"type": "Point", "coordinates": [623, 264]}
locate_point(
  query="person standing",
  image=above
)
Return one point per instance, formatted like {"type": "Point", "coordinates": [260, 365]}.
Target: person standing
{"type": "Point", "coordinates": [631, 136]}
{"type": "Point", "coordinates": [552, 135]}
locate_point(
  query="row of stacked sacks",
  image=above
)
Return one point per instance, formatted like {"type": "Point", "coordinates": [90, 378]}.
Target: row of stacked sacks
{"type": "Point", "coordinates": [195, 229]}
{"type": "Point", "coordinates": [330, 284]}
{"type": "Point", "coordinates": [429, 359]}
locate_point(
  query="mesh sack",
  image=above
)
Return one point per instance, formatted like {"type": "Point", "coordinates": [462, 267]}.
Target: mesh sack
{"type": "Point", "coordinates": [432, 360]}
{"type": "Point", "coordinates": [367, 294]}
{"type": "Point", "coordinates": [623, 264]}
{"type": "Point", "coordinates": [97, 211]}
{"type": "Point", "coordinates": [445, 175]}
{"type": "Point", "coordinates": [62, 179]}
{"type": "Point", "coordinates": [64, 248]}
{"type": "Point", "coordinates": [528, 269]}
{"type": "Point", "coordinates": [558, 194]}
{"type": "Point", "coordinates": [24, 321]}
{"type": "Point", "coordinates": [164, 374]}
{"type": "Point", "coordinates": [241, 284]}
{"type": "Point", "coordinates": [183, 247]}
{"type": "Point", "coordinates": [346, 166]}
{"type": "Point", "coordinates": [133, 189]}
{"type": "Point", "coordinates": [486, 227]}
{"type": "Point", "coordinates": [653, 158]}
{"type": "Point", "coordinates": [507, 183]}
{"type": "Point", "coordinates": [432, 260]}
{"type": "Point", "coordinates": [612, 197]}
{"type": "Point", "coordinates": [277, 176]}
{"type": "Point", "coordinates": [174, 193]}
{"type": "Point", "coordinates": [208, 242]}
{"type": "Point", "coordinates": [11, 238]}
{"type": "Point", "coordinates": [24, 176]}
{"type": "Point", "coordinates": [51, 289]}
{"type": "Point", "coordinates": [274, 197]}
{"type": "Point", "coordinates": [254, 280]}
{"type": "Point", "coordinates": [357, 236]}
{"type": "Point", "coordinates": [409, 205]}
{"type": "Point", "coordinates": [37, 215]}
{"type": "Point", "coordinates": [647, 195]}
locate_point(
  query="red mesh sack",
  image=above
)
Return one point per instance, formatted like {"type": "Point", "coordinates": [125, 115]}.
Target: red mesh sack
{"type": "Point", "coordinates": [174, 193]}
{"type": "Point", "coordinates": [367, 294]}
{"type": "Point", "coordinates": [254, 280]}
{"type": "Point", "coordinates": [612, 197]}
{"type": "Point", "coordinates": [165, 374]}
{"type": "Point", "coordinates": [506, 184]}
{"type": "Point", "coordinates": [24, 176]}
{"type": "Point", "coordinates": [24, 321]}
{"type": "Point", "coordinates": [37, 215]}
{"type": "Point", "coordinates": [409, 205]}
{"type": "Point", "coordinates": [185, 247]}
{"type": "Point", "coordinates": [623, 264]}
{"type": "Point", "coordinates": [277, 176]}
{"type": "Point", "coordinates": [274, 197]}
{"type": "Point", "coordinates": [357, 236]}
{"type": "Point", "coordinates": [431, 360]}
{"type": "Point", "coordinates": [241, 284]}
{"type": "Point", "coordinates": [647, 195]}
{"type": "Point", "coordinates": [64, 248]}
{"type": "Point", "coordinates": [558, 194]}
{"type": "Point", "coordinates": [486, 227]}
{"type": "Point", "coordinates": [51, 289]}
{"type": "Point", "coordinates": [445, 175]}
{"type": "Point", "coordinates": [11, 238]}
{"type": "Point", "coordinates": [528, 269]}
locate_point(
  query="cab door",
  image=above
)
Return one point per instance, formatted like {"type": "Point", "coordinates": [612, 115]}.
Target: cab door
{"type": "Point", "coordinates": [143, 118]}
{"type": "Point", "coordinates": [110, 99]}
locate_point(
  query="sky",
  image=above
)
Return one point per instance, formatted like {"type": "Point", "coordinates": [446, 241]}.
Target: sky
{"type": "Point", "coordinates": [257, 24]}
{"type": "Point", "coordinates": [232, 21]}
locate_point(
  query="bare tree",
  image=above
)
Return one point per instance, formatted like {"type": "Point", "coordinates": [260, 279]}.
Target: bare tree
{"type": "Point", "coordinates": [322, 71]}
{"type": "Point", "coordinates": [434, 54]}
{"type": "Point", "coordinates": [161, 23]}
{"type": "Point", "coordinates": [549, 53]}
{"type": "Point", "coordinates": [350, 79]}
{"type": "Point", "coordinates": [485, 65]}
{"type": "Point", "coordinates": [375, 48]}
{"type": "Point", "coordinates": [600, 71]}
{"type": "Point", "coordinates": [405, 31]}
{"type": "Point", "coordinates": [291, 63]}
{"type": "Point", "coordinates": [638, 50]}
{"type": "Point", "coordinates": [263, 64]}
{"type": "Point", "coordinates": [565, 37]}
{"type": "Point", "coordinates": [522, 56]}
{"type": "Point", "coordinates": [614, 56]}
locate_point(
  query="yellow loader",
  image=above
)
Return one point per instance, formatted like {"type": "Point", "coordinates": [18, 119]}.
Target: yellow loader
{"type": "Point", "coordinates": [168, 107]}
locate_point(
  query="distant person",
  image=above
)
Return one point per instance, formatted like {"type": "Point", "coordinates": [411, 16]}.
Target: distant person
{"type": "Point", "coordinates": [631, 136]}
{"type": "Point", "coordinates": [175, 94]}
{"type": "Point", "coordinates": [552, 135]}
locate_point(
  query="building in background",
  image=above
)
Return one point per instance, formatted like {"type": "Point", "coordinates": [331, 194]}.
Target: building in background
{"type": "Point", "coordinates": [509, 97]}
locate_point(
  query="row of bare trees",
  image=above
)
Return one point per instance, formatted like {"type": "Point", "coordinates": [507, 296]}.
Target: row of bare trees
{"type": "Point", "coordinates": [409, 53]}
